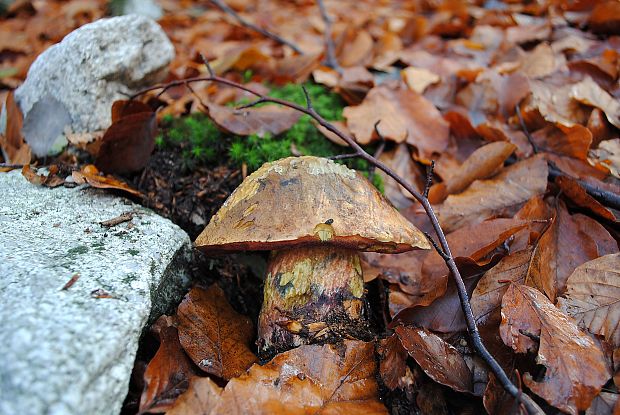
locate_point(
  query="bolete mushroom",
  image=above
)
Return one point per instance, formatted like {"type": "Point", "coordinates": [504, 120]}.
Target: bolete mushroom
{"type": "Point", "coordinates": [314, 215]}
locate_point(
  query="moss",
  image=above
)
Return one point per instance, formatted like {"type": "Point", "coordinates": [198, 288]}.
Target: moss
{"type": "Point", "coordinates": [78, 250]}
{"type": "Point", "coordinates": [201, 142]}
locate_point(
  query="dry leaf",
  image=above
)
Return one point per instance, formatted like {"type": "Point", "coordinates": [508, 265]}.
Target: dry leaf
{"type": "Point", "coordinates": [606, 403]}
{"type": "Point", "coordinates": [215, 336]}
{"type": "Point", "coordinates": [169, 372]}
{"type": "Point", "coordinates": [200, 397]}
{"type": "Point", "coordinates": [593, 297]}
{"type": "Point", "coordinates": [572, 141]}
{"type": "Point", "coordinates": [486, 198]}
{"type": "Point", "coordinates": [89, 174]}
{"type": "Point", "coordinates": [418, 79]}
{"type": "Point", "coordinates": [311, 379]}
{"type": "Point", "coordinates": [605, 17]}
{"type": "Point", "coordinates": [608, 155]}
{"type": "Point", "coordinates": [393, 363]}
{"type": "Point", "coordinates": [590, 93]}
{"type": "Point", "coordinates": [556, 104]}
{"type": "Point", "coordinates": [268, 119]}
{"type": "Point", "coordinates": [12, 143]}
{"type": "Point", "coordinates": [576, 367]}
{"type": "Point", "coordinates": [439, 360]}
{"type": "Point", "coordinates": [403, 115]}
{"type": "Point", "coordinates": [579, 196]}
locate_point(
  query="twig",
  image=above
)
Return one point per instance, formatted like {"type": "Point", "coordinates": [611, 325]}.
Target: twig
{"type": "Point", "coordinates": [11, 166]}
{"type": "Point", "coordinates": [437, 248]}
{"type": "Point", "coordinates": [429, 178]}
{"type": "Point", "coordinates": [604, 196]}
{"type": "Point", "coordinates": [228, 10]}
{"type": "Point", "coordinates": [478, 345]}
{"type": "Point", "coordinates": [331, 60]}
{"type": "Point", "coordinates": [378, 151]}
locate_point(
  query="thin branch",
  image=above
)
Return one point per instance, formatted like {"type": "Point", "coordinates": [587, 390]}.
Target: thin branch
{"type": "Point", "coordinates": [429, 178]}
{"type": "Point", "coordinates": [11, 166]}
{"type": "Point", "coordinates": [437, 248]}
{"type": "Point", "coordinates": [344, 156]}
{"type": "Point", "coordinates": [331, 60]}
{"type": "Point", "coordinates": [228, 10]}
{"type": "Point", "coordinates": [307, 96]}
{"type": "Point", "coordinates": [478, 345]}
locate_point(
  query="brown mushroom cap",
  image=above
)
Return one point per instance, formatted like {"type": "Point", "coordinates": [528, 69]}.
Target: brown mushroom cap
{"type": "Point", "coordinates": [301, 201]}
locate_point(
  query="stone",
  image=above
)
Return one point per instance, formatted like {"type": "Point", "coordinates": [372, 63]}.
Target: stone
{"type": "Point", "coordinates": [71, 350]}
{"type": "Point", "coordinates": [149, 8]}
{"type": "Point", "coordinates": [95, 65]}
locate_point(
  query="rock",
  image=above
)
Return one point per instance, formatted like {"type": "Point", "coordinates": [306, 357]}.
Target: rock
{"type": "Point", "coordinates": [148, 8]}
{"type": "Point", "coordinates": [65, 351]}
{"type": "Point", "coordinates": [94, 65]}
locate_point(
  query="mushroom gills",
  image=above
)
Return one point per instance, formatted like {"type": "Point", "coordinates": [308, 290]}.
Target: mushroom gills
{"type": "Point", "coordinates": [312, 295]}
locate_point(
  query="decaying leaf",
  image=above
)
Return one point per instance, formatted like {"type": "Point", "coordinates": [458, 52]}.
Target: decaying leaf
{"type": "Point", "coordinates": [439, 360]}
{"type": "Point", "coordinates": [485, 198]}
{"type": "Point", "coordinates": [311, 379]}
{"type": "Point", "coordinates": [404, 115]}
{"type": "Point", "coordinates": [593, 297]}
{"type": "Point", "coordinates": [556, 105]}
{"type": "Point", "coordinates": [169, 372]}
{"type": "Point", "coordinates": [393, 363]}
{"type": "Point", "coordinates": [576, 368]}
{"type": "Point", "coordinates": [214, 335]}
{"type": "Point", "coordinates": [269, 119]}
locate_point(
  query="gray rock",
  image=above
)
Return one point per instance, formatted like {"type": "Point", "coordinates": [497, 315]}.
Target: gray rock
{"type": "Point", "coordinates": [65, 351]}
{"type": "Point", "coordinates": [94, 65]}
{"type": "Point", "coordinates": [148, 8]}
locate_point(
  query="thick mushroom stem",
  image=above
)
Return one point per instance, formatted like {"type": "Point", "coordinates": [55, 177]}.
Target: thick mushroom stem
{"type": "Point", "coordinates": [312, 294]}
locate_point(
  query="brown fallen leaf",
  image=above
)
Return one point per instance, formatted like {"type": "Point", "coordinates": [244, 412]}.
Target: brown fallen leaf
{"type": "Point", "coordinates": [593, 297]}
{"type": "Point", "coordinates": [605, 17]}
{"type": "Point", "coordinates": [169, 372]}
{"type": "Point", "coordinates": [556, 104]}
{"type": "Point", "coordinates": [404, 116]}
{"type": "Point", "coordinates": [127, 144]}
{"type": "Point", "coordinates": [606, 403]}
{"type": "Point", "coordinates": [50, 180]}
{"type": "Point", "coordinates": [573, 190]}
{"type": "Point", "coordinates": [311, 379]}
{"type": "Point", "coordinates": [268, 119]}
{"type": "Point", "coordinates": [486, 198]}
{"type": "Point", "coordinates": [400, 161]}
{"type": "Point", "coordinates": [90, 174]}
{"type": "Point", "coordinates": [561, 249]}
{"type": "Point", "coordinates": [572, 141]}
{"type": "Point", "coordinates": [199, 398]}
{"type": "Point", "coordinates": [481, 164]}
{"type": "Point", "coordinates": [71, 281]}
{"type": "Point", "coordinates": [576, 368]}
{"type": "Point", "coordinates": [393, 363]}
{"type": "Point", "coordinates": [213, 334]}
{"type": "Point", "coordinates": [418, 79]}
{"type": "Point", "coordinates": [439, 360]}
{"type": "Point", "coordinates": [12, 143]}
{"type": "Point", "coordinates": [608, 155]}
{"type": "Point", "coordinates": [590, 93]}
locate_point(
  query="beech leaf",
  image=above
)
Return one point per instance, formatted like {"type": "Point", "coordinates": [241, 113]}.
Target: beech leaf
{"type": "Point", "coordinates": [268, 119]}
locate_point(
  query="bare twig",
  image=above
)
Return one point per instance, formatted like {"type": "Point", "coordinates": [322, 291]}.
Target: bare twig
{"type": "Point", "coordinates": [330, 59]}
{"type": "Point", "coordinates": [437, 248]}
{"type": "Point", "coordinates": [11, 166]}
{"type": "Point", "coordinates": [429, 178]}
{"type": "Point", "coordinates": [478, 345]}
{"type": "Point", "coordinates": [229, 10]}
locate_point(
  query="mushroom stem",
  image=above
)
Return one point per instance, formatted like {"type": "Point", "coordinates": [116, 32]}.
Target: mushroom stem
{"type": "Point", "coordinates": [312, 295]}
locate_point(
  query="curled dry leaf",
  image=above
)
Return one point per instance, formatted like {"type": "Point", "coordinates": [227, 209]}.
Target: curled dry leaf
{"type": "Point", "coordinates": [593, 297]}
{"type": "Point", "coordinates": [576, 368]}
{"type": "Point", "coordinates": [214, 335]}
{"type": "Point", "coordinates": [269, 119]}
{"type": "Point", "coordinates": [439, 360]}
{"type": "Point", "coordinates": [608, 155]}
{"type": "Point", "coordinates": [562, 248]}
{"type": "Point", "coordinates": [481, 164]}
{"type": "Point", "coordinates": [127, 144]}
{"type": "Point", "coordinates": [12, 143]}
{"type": "Point", "coordinates": [404, 115]}
{"type": "Point", "coordinates": [556, 104]}
{"type": "Point", "coordinates": [393, 363]}
{"type": "Point", "coordinates": [169, 372]}
{"type": "Point", "coordinates": [89, 174]}
{"type": "Point", "coordinates": [200, 397]}
{"type": "Point", "coordinates": [486, 198]}
{"type": "Point", "coordinates": [51, 180]}
{"type": "Point", "coordinates": [418, 79]}
{"type": "Point", "coordinates": [590, 93]}
{"type": "Point", "coordinates": [310, 379]}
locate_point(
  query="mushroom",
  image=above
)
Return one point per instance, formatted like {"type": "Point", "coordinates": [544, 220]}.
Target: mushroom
{"type": "Point", "coordinates": [315, 216]}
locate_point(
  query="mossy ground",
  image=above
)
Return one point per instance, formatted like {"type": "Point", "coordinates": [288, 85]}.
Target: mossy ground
{"type": "Point", "coordinates": [201, 142]}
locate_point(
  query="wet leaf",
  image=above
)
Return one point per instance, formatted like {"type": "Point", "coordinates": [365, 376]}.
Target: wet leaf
{"type": "Point", "coordinates": [404, 116]}
{"type": "Point", "coordinates": [439, 360]}
{"type": "Point", "coordinates": [593, 297]}
{"type": "Point", "coordinates": [393, 362]}
{"type": "Point", "coordinates": [575, 366]}
{"type": "Point", "coordinates": [486, 198]}
{"type": "Point", "coordinates": [268, 119]}
{"type": "Point", "coordinates": [310, 379]}
{"type": "Point", "coordinates": [169, 372]}
{"type": "Point", "coordinates": [215, 336]}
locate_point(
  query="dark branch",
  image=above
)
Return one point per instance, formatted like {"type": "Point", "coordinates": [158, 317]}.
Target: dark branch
{"type": "Point", "coordinates": [437, 248]}
{"type": "Point", "coordinates": [429, 178]}
{"type": "Point", "coordinates": [308, 100]}
{"type": "Point", "coordinates": [228, 10]}
{"type": "Point", "coordinates": [330, 59]}
{"type": "Point", "coordinates": [443, 242]}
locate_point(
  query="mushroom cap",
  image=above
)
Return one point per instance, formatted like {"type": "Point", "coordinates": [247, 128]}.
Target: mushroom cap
{"type": "Point", "coordinates": [305, 201]}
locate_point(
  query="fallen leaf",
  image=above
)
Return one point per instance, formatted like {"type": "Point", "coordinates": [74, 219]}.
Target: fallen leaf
{"type": "Point", "coordinates": [201, 396]}
{"type": "Point", "coordinates": [606, 403]}
{"type": "Point", "coordinates": [169, 372]}
{"type": "Point", "coordinates": [310, 379]}
{"type": "Point", "coordinates": [268, 119]}
{"type": "Point", "coordinates": [572, 141]}
{"type": "Point", "coordinates": [215, 336]}
{"type": "Point", "coordinates": [357, 51]}
{"type": "Point", "coordinates": [605, 18]}
{"type": "Point", "coordinates": [12, 143]}
{"type": "Point", "coordinates": [556, 104]}
{"type": "Point", "coordinates": [71, 281]}
{"type": "Point", "coordinates": [50, 180]}
{"type": "Point", "coordinates": [561, 249]}
{"type": "Point", "coordinates": [418, 79]}
{"type": "Point", "coordinates": [404, 116]}
{"type": "Point", "coordinates": [400, 161]}
{"type": "Point", "coordinates": [593, 297]}
{"type": "Point", "coordinates": [89, 174]}
{"type": "Point", "coordinates": [486, 198]}
{"type": "Point", "coordinates": [590, 93]}
{"type": "Point", "coordinates": [481, 164]}
{"type": "Point", "coordinates": [579, 196]}
{"type": "Point", "coordinates": [393, 363]}
{"type": "Point", "coordinates": [542, 61]}
{"type": "Point", "coordinates": [127, 144]}
{"type": "Point", "coordinates": [439, 360]}
{"type": "Point", "coordinates": [608, 155]}
{"type": "Point", "coordinates": [576, 368]}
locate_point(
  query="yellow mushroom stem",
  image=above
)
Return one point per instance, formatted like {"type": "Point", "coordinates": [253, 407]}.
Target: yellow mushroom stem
{"type": "Point", "coordinates": [312, 295]}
